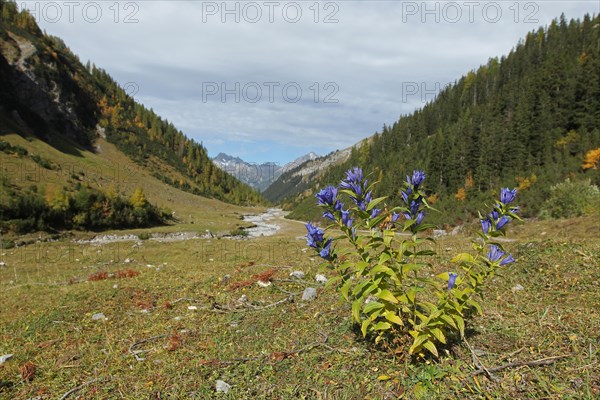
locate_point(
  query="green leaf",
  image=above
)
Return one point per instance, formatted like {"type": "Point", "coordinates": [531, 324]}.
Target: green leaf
{"type": "Point", "coordinates": [425, 253]}
{"type": "Point", "coordinates": [376, 221]}
{"type": "Point", "coordinates": [374, 202]}
{"type": "Point", "coordinates": [381, 268]}
{"type": "Point", "coordinates": [383, 257]}
{"type": "Point", "coordinates": [406, 268]}
{"type": "Point", "coordinates": [356, 306]}
{"type": "Point", "coordinates": [461, 325]}
{"type": "Point", "coordinates": [448, 319]}
{"type": "Point", "coordinates": [462, 257]}
{"type": "Point", "coordinates": [393, 318]}
{"type": "Point", "coordinates": [363, 328]}
{"type": "Point", "coordinates": [371, 306]}
{"type": "Point", "coordinates": [360, 266]}
{"type": "Point", "coordinates": [438, 334]}
{"type": "Point", "coordinates": [346, 288]}
{"type": "Point", "coordinates": [431, 347]}
{"type": "Point", "coordinates": [382, 326]}
{"type": "Point", "coordinates": [358, 289]}
{"type": "Point", "coordinates": [475, 305]}
{"type": "Point", "coordinates": [387, 296]}
{"type": "Point", "coordinates": [387, 237]}
{"type": "Point", "coordinates": [419, 340]}
{"type": "Point", "coordinates": [410, 294]}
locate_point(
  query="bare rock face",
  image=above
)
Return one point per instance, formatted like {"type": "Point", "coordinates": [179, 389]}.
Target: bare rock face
{"type": "Point", "coordinates": [40, 92]}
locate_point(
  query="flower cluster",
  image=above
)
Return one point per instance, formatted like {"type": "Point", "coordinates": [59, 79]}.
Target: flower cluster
{"type": "Point", "coordinates": [492, 225]}
{"type": "Point", "coordinates": [358, 188]}
{"type": "Point", "coordinates": [413, 198]}
{"type": "Point", "coordinates": [328, 198]}
{"type": "Point", "coordinates": [497, 219]}
{"type": "Point", "coordinates": [315, 239]}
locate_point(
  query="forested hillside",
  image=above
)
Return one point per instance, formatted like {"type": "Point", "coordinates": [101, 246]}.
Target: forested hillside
{"type": "Point", "coordinates": [47, 91]}
{"type": "Point", "coordinates": [526, 120]}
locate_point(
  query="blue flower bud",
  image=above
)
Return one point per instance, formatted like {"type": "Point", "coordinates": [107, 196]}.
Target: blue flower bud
{"type": "Point", "coordinates": [451, 280]}
{"type": "Point", "coordinates": [507, 260]}
{"type": "Point", "coordinates": [375, 212]}
{"type": "Point", "coordinates": [502, 221]}
{"type": "Point", "coordinates": [346, 220]}
{"type": "Point", "coordinates": [485, 225]}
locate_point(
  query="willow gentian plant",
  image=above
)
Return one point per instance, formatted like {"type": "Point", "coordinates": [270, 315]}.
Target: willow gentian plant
{"type": "Point", "coordinates": [385, 274]}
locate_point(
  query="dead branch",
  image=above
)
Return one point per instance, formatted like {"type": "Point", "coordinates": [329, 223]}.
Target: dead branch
{"type": "Point", "coordinates": [279, 355]}
{"type": "Point", "coordinates": [478, 364]}
{"type": "Point", "coordinates": [543, 361]}
{"type": "Point", "coordinates": [252, 307]}
{"type": "Point", "coordinates": [135, 352]}
{"type": "Point", "coordinates": [78, 388]}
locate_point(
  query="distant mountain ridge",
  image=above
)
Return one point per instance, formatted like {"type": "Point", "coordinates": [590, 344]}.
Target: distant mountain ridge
{"type": "Point", "coordinates": [302, 175]}
{"type": "Point", "coordinates": [258, 176]}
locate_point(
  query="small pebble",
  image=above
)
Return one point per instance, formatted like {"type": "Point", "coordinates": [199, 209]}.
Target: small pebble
{"type": "Point", "coordinates": [222, 386]}
{"type": "Point", "coordinates": [98, 316]}
{"type": "Point", "coordinates": [309, 294]}
{"type": "Point", "coordinates": [297, 274]}
{"type": "Point", "coordinates": [517, 288]}
{"type": "Point", "coordinates": [5, 358]}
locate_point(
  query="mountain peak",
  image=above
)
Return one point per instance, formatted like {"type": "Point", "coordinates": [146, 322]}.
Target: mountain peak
{"type": "Point", "coordinates": [259, 176]}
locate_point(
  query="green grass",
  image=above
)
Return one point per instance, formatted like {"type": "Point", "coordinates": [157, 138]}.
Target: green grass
{"type": "Point", "coordinates": [109, 168]}
{"type": "Point", "coordinates": [48, 303]}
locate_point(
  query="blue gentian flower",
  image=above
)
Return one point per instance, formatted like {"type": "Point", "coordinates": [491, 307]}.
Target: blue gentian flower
{"type": "Point", "coordinates": [405, 194]}
{"type": "Point", "coordinates": [494, 215]}
{"type": "Point", "coordinates": [346, 220]}
{"type": "Point", "coordinates": [361, 204]}
{"type": "Point", "coordinates": [314, 237]}
{"type": "Point", "coordinates": [495, 253]}
{"type": "Point", "coordinates": [355, 188]}
{"type": "Point", "coordinates": [451, 280]}
{"type": "Point", "coordinates": [325, 252]}
{"type": "Point", "coordinates": [354, 175]}
{"type": "Point", "coordinates": [328, 215]}
{"type": "Point", "coordinates": [420, 216]}
{"type": "Point", "coordinates": [395, 216]}
{"type": "Point", "coordinates": [502, 221]}
{"type": "Point", "coordinates": [375, 212]}
{"type": "Point", "coordinates": [485, 225]}
{"type": "Point", "coordinates": [507, 260]}
{"type": "Point", "coordinates": [338, 205]}
{"type": "Point", "coordinates": [417, 178]}
{"type": "Point", "coordinates": [414, 206]}
{"type": "Point", "coordinates": [327, 196]}
{"type": "Point", "coordinates": [507, 195]}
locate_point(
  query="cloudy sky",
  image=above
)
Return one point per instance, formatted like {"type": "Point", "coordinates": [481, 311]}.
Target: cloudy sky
{"type": "Point", "coordinates": [273, 80]}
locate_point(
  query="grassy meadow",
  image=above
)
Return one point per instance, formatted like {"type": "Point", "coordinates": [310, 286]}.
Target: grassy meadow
{"type": "Point", "coordinates": [175, 321]}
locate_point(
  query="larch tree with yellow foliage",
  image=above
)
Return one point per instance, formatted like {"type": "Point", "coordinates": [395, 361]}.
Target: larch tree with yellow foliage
{"type": "Point", "coordinates": [138, 198]}
{"type": "Point", "coordinates": [591, 160]}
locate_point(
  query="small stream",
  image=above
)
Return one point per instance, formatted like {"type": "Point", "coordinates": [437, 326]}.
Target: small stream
{"type": "Point", "coordinates": [262, 227]}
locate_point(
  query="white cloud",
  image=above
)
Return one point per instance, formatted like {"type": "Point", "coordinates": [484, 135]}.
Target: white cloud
{"type": "Point", "coordinates": [375, 50]}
